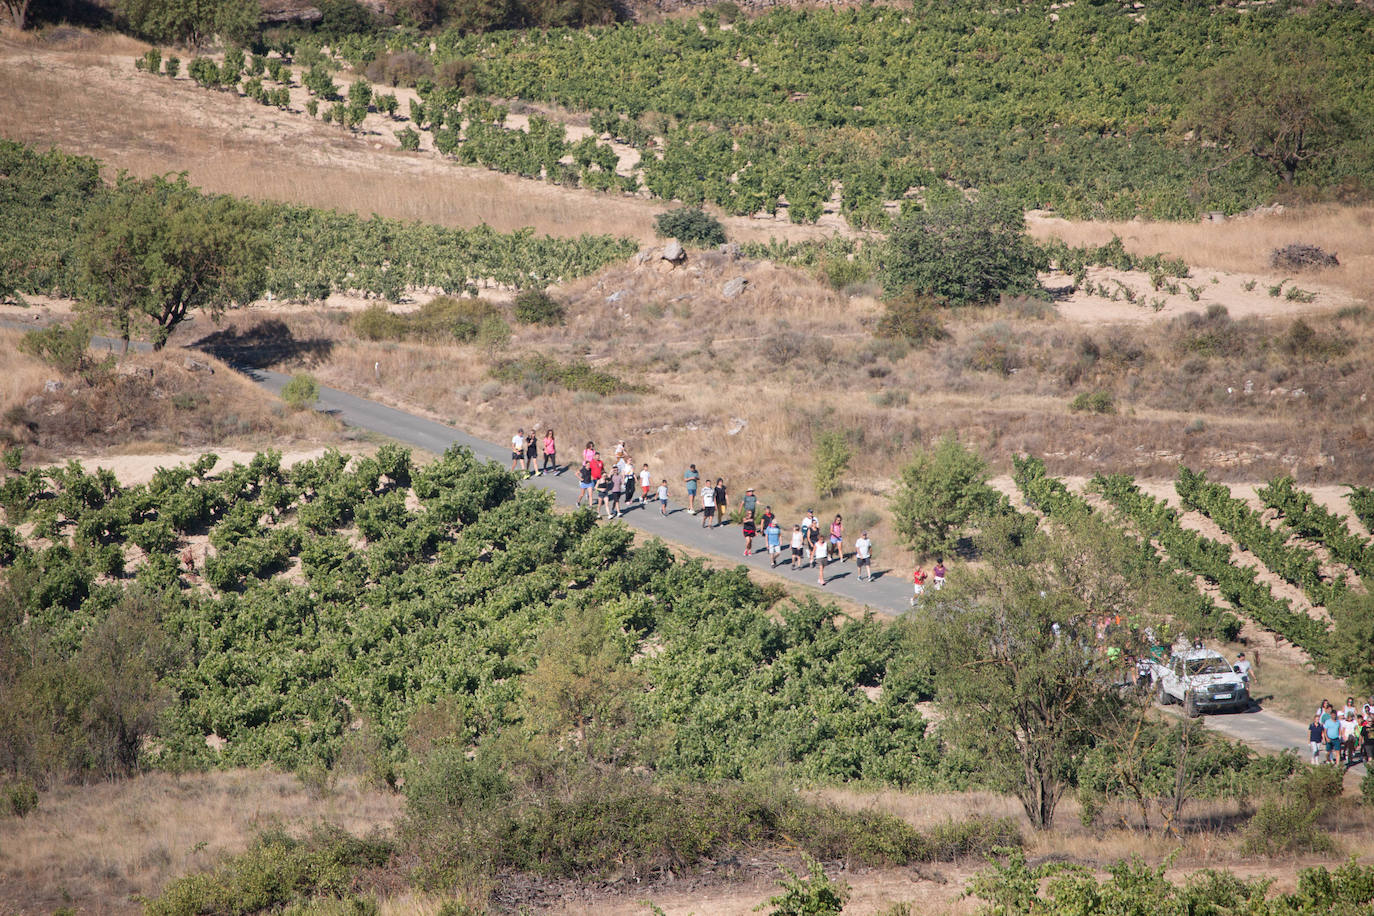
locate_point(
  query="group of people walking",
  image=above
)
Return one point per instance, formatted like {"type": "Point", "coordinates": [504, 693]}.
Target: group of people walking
{"type": "Point", "coordinates": [616, 485]}
{"type": "Point", "coordinates": [1342, 737]}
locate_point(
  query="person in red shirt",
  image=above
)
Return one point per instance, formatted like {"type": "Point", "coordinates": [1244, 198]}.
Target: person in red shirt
{"type": "Point", "coordinates": [918, 579]}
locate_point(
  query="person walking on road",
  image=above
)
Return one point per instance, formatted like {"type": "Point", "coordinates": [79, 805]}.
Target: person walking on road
{"type": "Point", "coordinates": [1316, 737]}
{"type": "Point", "coordinates": [798, 544]}
{"type": "Point", "coordinates": [938, 574]}
{"type": "Point", "coordinates": [750, 530]}
{"type": "Point", "coordinates": [820, 563]}
{"type": "Point", "coordinates": [690, 478]}
{"type": "Point", "coordinates": [585, 484]}
{"type": "Point", "coordinates": [773, 536]}
{"type": "Point", "coordinates": [837, 538]}
{"type": "Point", "coordinates": [589, 452]}
{"type": "Point", "coordinates": [722, 502]}
{"type": "Point", "coordinates": [613, 491]}
{"type": "Point", "coordinates": [863, 557]}
{"type": "Point", "coordinates": [750, 503]}
{"type": "Point", "coordinates": [1333, 740]}
{"type": "Point", "coordinates": [550, 465]}
{"type": "Point", "coordinates": [708, 505]}
{"type": "Point", "coordinates": [918, 582]}
{"type": "Point", "coordinates": [646, 483]}
{"type": "Point", "coordinates": [663, 497]}
{"type": "Point", "coordinates": [531, 452]}
{"type": "Point", "coordinates": [815, 543]}
{"type": "Point", "coordinates": [517, 449]}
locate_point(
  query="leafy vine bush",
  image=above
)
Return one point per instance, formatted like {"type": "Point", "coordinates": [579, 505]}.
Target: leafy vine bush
{"type": "Point", "coordinates": [456, 597]}
{"type": "Point", "coordinates": [538, 371]}
{"type": "Point", "coordinates": [1211, 560]}
{"type": "Point", "coordinates": [1295, 564]}
{"type": "Point", "coordinates": [312, 252]}
{"type": "Point", "coordinates": [301, 391]}
{"type": "Point", "coordinates": [1301, 513]}
{"type": "Point", "coordinates": [1195, 612]}
{"type": "Point", "coordinates": [1012, 887]}
{"type": "Point", "coordinates": [535, 306]}
{"type": "Point", "coordinates": [691, 226]}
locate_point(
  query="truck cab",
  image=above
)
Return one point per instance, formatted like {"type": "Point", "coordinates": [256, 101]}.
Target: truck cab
{"type": "Point", "coordinates": [1202, 680]}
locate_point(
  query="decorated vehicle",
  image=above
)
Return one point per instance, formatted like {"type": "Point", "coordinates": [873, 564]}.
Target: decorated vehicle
{"type": "Point", "coordinates": [1203, 680]}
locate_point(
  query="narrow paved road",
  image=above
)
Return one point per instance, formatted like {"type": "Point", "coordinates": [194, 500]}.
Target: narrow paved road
{"type": "Point", "coordinates": [889, 592]}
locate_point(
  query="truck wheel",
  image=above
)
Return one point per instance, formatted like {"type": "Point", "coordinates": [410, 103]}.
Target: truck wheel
{"type": "Point", "coordinates": [1190, 706]}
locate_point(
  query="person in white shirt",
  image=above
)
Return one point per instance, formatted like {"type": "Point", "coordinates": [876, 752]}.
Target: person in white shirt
{"type": "Point", "coordinates": [863, 557]}
{"type": "Point", "coordinates": [646, 481]}
{"type": "Point", "coordinates": [663, 497]}
{"type": "Point", "coordinates": [708, 505]}
{"type": "Point", "coordinates": [1243, 668]}
{"type": "Point", "coordinates": [517, 450]}
{"type": "Point", "coordinates": [798, 545]}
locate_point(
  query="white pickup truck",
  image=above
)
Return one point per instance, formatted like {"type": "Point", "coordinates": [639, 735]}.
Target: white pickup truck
{"type": "Point", "coordinates": [1201, 679]}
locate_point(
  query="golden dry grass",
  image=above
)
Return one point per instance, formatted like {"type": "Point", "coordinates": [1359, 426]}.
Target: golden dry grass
{"type": "Point", "coordinates": [99, 847]}
{"type": "Point", "coordinates": [1243, 244]}
{"type": "Point", "coordinates": [150, 402]}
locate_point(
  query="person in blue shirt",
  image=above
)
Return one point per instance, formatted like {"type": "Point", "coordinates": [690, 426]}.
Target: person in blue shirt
{"type": "Point", "coordinates": [1316, 737]}
{"type": "Point", "coordinates": [1333, 740]}
{"type": "Point", "coordinates": [774, 537]}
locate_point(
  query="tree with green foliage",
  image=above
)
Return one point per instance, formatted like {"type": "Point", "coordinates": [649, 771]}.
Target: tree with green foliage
{"type": "Point", "coordinates": [301, 391]}
{"type": "Point", "coordinates": [690, 226]}
{"type": "Point", "coordinates": [830, 459]}
{"type": "Point", "coordinates": [1276, 102]}
{"type": "Point", "coordinates": [1013, 653]}
{"type": "Point", "coordinates": [1352, 640]}
{"type": "Point", "coordinates": [961, 251]}
{"type": "Point", "coordinates": [938, 495]}
{"type": "Point", "coordinates": [156, 249]}
{"type": "Point", "coordinates": [193, 22]}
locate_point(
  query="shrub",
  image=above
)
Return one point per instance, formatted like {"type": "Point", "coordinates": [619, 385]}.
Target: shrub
{"type": "Point", "coordinates": [534, 306]}
{"type": "Point", "coordinates": [1302, 340]}
{"type": "Point", "coordinates": [1285, 825]}
{"type": "Point", "coordinates": [690, 226]}
{"type": "Point", "coordinates": [830, 459]}
{"type": "Point", "coordinates": [1297, 257]}
{"type": "Point", "coordinates": [912, 318]}
{"type": "Point", "coordinates": [399, 68]}
{"type": "Point", "coordinates": [64, 347]}
{"type": "Point", "coordinates": [461, 318]}
{"type": "Point", "coordinates": [172, 66]}
{"type": "Point", "coordinates": [962, 252]}
{"type": "Point", "coordinates": [1094, 402]}
{"type": "Point", "coordinates": [301, 392]}
{"type": "Point", "coordinates": [18, 798]}
{"type": "Point", "coordinates": [814, 895]}
{"type": "Point", "coordinates": [460, 74]}
{"type": "Point", "coordinates": [408, 138]}
{"type": "Point", "coordinates": [535, 372]}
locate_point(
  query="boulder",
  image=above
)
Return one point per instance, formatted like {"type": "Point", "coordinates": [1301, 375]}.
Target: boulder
{"type": "Point", "coordinates": [733, 288]}
{"type": "Point", "coordinates": [673, 252]}
{"type": "Point", "coordinates": [730, 250]}
{"type": "Point", "coordinates": [195, 365]}
{"type": "Point", "coordinates": [135, 371]}
{"type": "Point", "coordinates": [52, 385]}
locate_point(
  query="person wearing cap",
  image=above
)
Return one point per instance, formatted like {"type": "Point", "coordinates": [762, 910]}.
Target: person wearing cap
{"type": "Point", "coordinates": [750, 501]}
{"type": "Point", "coordinates": [1243, 668]}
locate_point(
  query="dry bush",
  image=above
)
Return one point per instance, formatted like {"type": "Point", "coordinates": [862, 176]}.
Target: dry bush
{"type": "Point", "coordinates": [151, 398]}
{"type": "Point", "coordinates": [399, 68]}
{"type": "Point", "coordinates": [91, 847]}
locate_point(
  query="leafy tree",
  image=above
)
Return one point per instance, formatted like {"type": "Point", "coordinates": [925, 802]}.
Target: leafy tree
{"type": "Point", "coordinates": [1014, 667]}
{"type": "Point", "coordinates": [814, 895]}
{"type": "Point", "coordinates": [1274, 101]}
{"type": "Point", "coordinates": [155, 249]}
{"type": "Point", "coordinates": [939, 494]}
{"type": "Point", "coordinates": [961, 251]}
{"type": "Point", "coordinates": [689, 225]}
{"type": "Point", "coordinates": [193, 22]}
{"type": "Point", "coordinates": [301, 391]}
{"type": "Point", "coordinates": [829, 461]}
{"type": "Point", "coordinates": [1352, 641]}
{"type": "Point", "coordinates": [535, 306]}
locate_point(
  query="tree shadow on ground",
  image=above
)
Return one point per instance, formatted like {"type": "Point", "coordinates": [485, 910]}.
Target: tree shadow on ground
{"type": "Point", "coordinates": [263, 345]}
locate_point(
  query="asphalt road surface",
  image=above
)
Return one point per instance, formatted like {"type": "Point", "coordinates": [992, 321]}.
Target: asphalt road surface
{"type": "Point", "coordinates": [889, 592]}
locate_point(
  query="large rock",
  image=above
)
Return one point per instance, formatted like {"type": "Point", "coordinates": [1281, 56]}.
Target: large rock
{"type": "Point", "coordinates": [733, 288]}
{"type": "Point", "coordinates": [673, 251]}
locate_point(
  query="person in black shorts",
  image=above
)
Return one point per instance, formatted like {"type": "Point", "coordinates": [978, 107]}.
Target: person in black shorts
{"type": "Point", "coordinates": [720, 501]}
{"type": "Point", "coordinates": [531, 452]}
{"type": "Point", "coordinates": [813, 534]}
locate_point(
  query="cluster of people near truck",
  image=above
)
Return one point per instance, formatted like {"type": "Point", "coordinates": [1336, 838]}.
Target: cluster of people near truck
{"type": "Point", "coordinates": [1342, 737]}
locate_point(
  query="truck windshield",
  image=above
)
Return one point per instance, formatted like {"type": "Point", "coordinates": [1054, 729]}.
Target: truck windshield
{"type": "Point", "coordinates": [1208, 666]}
